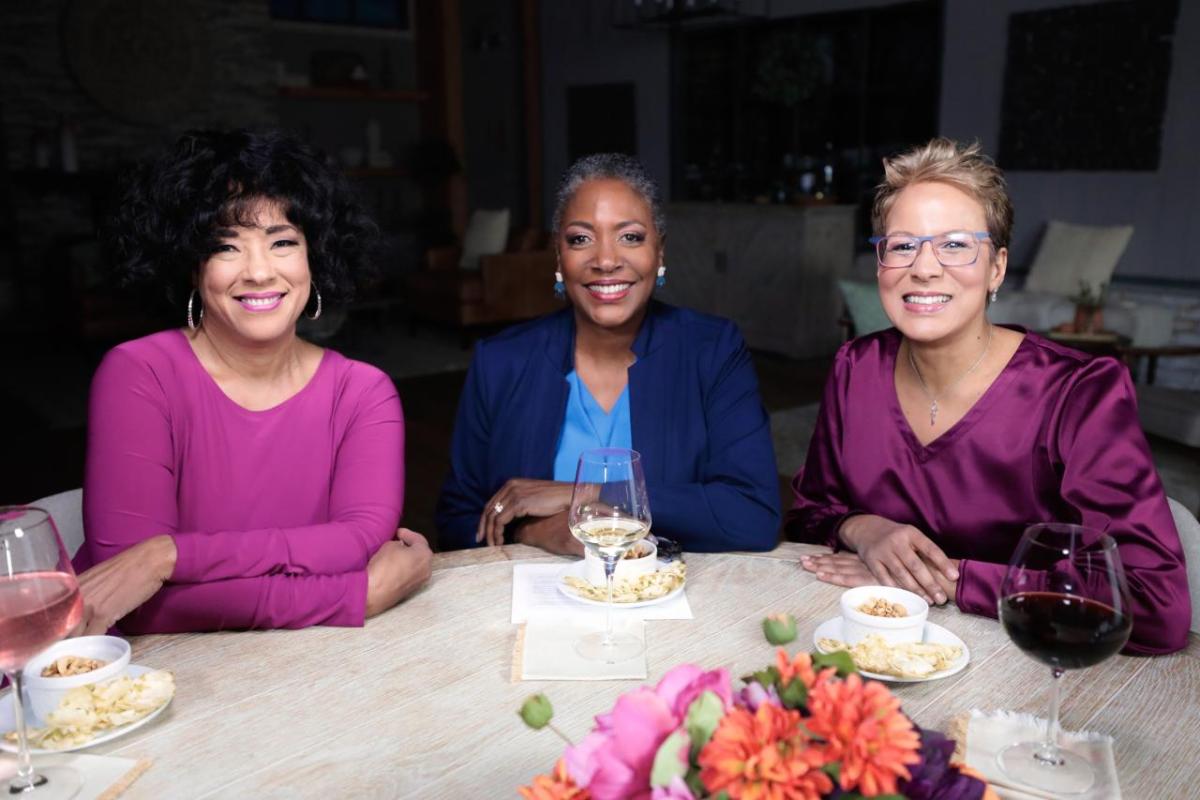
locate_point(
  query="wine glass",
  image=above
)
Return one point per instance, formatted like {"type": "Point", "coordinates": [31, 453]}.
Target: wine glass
{"type": "Point", "coordinates": [1064, 602]}
{"type": "Point", "coordinates": [609, 513]}
{"type": "Point", "coordinates": [39, 604]}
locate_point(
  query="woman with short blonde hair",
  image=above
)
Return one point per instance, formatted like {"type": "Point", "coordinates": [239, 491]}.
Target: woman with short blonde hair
{"type": "Point", "coordinates": [941, 439]}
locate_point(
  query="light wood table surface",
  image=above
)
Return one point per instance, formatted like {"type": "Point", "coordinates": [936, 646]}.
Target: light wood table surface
{"type": "Point", "coordinates": [420, 702]}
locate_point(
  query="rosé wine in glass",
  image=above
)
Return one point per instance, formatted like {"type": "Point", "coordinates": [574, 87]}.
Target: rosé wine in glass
{"type": "Point", "coordinates": [39, 604]}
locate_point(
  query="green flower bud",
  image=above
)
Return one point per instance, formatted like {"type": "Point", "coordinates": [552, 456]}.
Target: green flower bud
{"type": "Point", "coordinates": [779, 628]}
{"type": "Point", "coordinates": [537, 711]}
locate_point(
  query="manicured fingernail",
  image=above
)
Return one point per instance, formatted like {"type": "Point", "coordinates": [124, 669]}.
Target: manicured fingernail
{"type": "Point", "coordinates": [953, 574]}
{"type": "Point", "coordinates": [941, 598]}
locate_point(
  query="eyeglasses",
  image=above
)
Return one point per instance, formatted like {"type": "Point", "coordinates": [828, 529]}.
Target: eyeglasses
{"type": "Point", "coordinates": [951, 249]}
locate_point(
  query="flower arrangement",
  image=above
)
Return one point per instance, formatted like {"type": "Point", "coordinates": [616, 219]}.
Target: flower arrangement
{"type": "Point", "coordinates": [807, 727]}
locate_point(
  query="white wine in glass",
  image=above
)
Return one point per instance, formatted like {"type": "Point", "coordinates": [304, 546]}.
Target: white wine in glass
{"type": "Point", "coordinates": [609, 513]}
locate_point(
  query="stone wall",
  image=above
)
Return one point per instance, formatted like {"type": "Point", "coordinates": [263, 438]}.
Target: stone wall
{"type": "Point", "coordinates": [39, 92]}
{"type": "Point", "coordinates": [226, 79]}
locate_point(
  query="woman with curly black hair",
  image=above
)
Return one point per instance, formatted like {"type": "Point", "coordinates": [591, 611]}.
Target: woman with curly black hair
{"type": "Point", "coordinates": [238, 476]}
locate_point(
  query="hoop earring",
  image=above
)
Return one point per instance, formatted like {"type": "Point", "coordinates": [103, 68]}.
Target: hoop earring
{"type": "Point", "coordinates": [560, 288]}
{"type": "Point", "coordinates": [193, 324]}
{"type": "Point", "coordinates": [316, 315]}
{"type": "Point", "coordinates": [661, 280]}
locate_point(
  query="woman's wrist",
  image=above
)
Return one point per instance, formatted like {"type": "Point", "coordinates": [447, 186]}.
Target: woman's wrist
{"type": "Point", "coordinates": [163, 554]}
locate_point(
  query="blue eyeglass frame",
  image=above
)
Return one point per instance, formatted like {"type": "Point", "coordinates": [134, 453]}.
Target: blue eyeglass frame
{"type": "Point", "coordinates": [921, 240]}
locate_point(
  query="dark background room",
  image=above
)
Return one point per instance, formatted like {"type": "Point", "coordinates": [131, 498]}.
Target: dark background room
{"type": "Point", "coordinates": [764, 120]}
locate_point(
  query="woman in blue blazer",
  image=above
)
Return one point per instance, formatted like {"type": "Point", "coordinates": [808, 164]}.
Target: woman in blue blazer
{"type": "Point", "coordinates": [613, 369]}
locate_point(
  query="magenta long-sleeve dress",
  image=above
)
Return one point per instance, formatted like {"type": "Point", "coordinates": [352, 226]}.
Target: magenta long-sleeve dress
{"type": "Point", "coordinates": [274, 513]}
{"type": "Point", "coordinates": [1055, 438]}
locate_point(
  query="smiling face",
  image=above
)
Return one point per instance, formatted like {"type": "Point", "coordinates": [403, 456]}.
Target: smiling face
{"type": "Point", "coordinates": [609, 252]}
{"type": "Point", "coordinates": [256, 284]}
{"type": "Point", "coordinates": [928, 302]}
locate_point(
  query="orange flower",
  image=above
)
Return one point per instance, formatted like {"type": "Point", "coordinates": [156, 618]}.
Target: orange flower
{"type": "Point", "coordinates": [799, 667]}
{"type": "Point", "coordinates": [555, 786]}
{"type": "Point", "coordinates": [763, 756]}
{"type": "Point", "coordinates": [865, 730]}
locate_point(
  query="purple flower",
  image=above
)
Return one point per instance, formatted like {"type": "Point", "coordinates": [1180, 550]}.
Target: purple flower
{"type": "Point", "coordinates": [754, 695]}
{"type": "Point", "coordinates": [935, 778]}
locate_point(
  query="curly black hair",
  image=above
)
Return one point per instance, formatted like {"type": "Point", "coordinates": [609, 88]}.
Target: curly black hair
{"type": "Point", "coordinates": [171, 208]}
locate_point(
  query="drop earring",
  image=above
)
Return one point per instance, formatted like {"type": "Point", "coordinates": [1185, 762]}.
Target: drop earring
{"type": "Point", "coordinates": [560, 288]}
{"type": "Point", "coordinates": [992, 296]}
{"type": "Point", "coordinates": [661, 280]}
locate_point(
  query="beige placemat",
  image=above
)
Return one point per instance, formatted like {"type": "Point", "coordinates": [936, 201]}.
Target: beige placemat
{"type": "Point", "coordinates": [545, 651]}
{"type": "Point", "coordinates": [981, 735]}
{"type": "Point", "coordinates": [104, 777]}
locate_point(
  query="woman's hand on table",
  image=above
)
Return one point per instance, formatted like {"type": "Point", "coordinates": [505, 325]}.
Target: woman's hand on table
{"type": "Point", "coordinates": [397, 569]}
{"type": "Point", "coordinates": [521, 497]}
{"type": "Point", "coordinates": [848, 570]}
{"type": "Point", "coordinates": [117, 586]}
{"type": "Point", "coordinates": [550, 534]}
{"type": "Point", "coordinates": [898, 555]}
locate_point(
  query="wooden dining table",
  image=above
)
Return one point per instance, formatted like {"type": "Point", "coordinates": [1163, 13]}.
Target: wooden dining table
{"type": "Point", "coordinates": [421, 701]}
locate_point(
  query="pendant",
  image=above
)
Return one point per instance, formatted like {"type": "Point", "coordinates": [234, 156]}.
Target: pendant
{"type": "Point", "coordinates": [933, 413]}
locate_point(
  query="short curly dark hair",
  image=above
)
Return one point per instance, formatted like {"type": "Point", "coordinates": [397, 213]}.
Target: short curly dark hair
{"type": "Point", "coordinates": [171, 208]}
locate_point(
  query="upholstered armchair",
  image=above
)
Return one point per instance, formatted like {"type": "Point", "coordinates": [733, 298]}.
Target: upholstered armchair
{"type": "Point", "coordinates": [513, 285]}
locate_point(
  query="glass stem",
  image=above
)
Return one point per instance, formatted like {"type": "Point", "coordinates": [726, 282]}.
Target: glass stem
{"type": "Point", "coordinates": [610, 568]}
{"type": "Point", "coordinates": [1047, 751]}
{"type": "Point", "coordinates": [24, 780]}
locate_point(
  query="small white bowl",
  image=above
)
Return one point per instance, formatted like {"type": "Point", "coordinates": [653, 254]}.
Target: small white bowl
{"type": "Point", "coordinates": [856, 625]}
{"type": "Point", "coordinates": [644, 564]}
{"type": "Point", "coordinates": [46, 693]}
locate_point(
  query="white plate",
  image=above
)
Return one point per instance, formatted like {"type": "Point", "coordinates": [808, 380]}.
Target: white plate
{"type": "Point", "coordinates": [576, 569]}
{"type": "Point", "coordinates": [934, 634]}
{"type": "Point", "coordinates": [8, 723]}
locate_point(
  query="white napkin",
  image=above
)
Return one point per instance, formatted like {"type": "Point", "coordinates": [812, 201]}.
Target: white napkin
{"type": "Point", "coordinates": [104, 777]}
{"type": "Point", "coordinates": [990, 732]}
{"type": "Point", "coordinates": [545, 651]}
{"type": "Point", "coordinates": [535, 595]}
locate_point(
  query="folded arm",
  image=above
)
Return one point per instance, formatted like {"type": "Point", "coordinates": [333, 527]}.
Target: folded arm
{"type": "Point", "coordinates": [1109, 480]}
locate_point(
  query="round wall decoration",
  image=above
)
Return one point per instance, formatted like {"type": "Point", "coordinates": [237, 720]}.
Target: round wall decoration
{"type": "Point", "coordinates": [143, 60]}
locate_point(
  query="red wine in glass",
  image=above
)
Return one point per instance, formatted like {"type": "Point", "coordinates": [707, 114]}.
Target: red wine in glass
{"type": "Point", "coordinates": [1064, 601]}
{"type": "Point", "coordinates": [1062, 630]}
{"type": "Point", "coordinates": [39, 604]}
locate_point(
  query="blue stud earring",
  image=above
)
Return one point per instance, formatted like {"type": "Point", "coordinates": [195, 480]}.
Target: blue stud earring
{"type": "Point", "coordinates": [560, 288]}
{"type": "Point", "coordinates": [661, 280]}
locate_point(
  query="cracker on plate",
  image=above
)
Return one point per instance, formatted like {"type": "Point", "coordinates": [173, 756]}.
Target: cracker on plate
{"type": "Point", "coordinates": [908, 660]}
{"type": "Point", "coordinates": [650, 586]}
{"type": "Point", "coordinates": [86, 711]}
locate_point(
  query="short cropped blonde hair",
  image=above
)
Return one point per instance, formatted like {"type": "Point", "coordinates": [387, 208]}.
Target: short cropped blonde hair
{"type": "Point", "coordinates": [965, 167]}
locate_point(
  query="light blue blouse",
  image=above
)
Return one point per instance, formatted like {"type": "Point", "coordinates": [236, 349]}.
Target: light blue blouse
{"type": "Point", "coordinates": [586, 426]}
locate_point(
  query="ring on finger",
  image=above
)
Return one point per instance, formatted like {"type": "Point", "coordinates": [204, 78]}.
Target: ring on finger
{"type": "Point", "coordinates": [498, 507]}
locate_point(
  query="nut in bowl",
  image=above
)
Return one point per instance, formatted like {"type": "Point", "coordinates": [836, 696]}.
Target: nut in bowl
{"type": "Point", "coordinates": [896, 615]}
{"type": "Point", "coordinates": [46, 691]}
{"type": "Point", "coordinates": [641, 559]}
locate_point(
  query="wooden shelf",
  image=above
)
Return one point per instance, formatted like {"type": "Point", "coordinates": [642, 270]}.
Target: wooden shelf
{"type": "Point", "coordinates": [353, 93]}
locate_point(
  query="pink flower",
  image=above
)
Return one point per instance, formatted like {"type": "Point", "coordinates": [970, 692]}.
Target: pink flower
{"type": "Point", "coordinates": [613, 762]}
{"type": "Point", "coordinates": [685, 683]}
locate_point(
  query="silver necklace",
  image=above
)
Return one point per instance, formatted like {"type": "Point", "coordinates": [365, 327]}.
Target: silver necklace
{"type": "Point", "coordinates": [933, 398]}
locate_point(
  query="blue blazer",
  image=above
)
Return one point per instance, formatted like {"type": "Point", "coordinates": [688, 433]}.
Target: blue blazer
{"type": "Point", "coordinates": [696, 418]}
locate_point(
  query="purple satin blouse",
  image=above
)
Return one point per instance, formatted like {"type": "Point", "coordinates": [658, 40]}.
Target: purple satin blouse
{"type": "Point", "coordinates": [1055, 438]}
